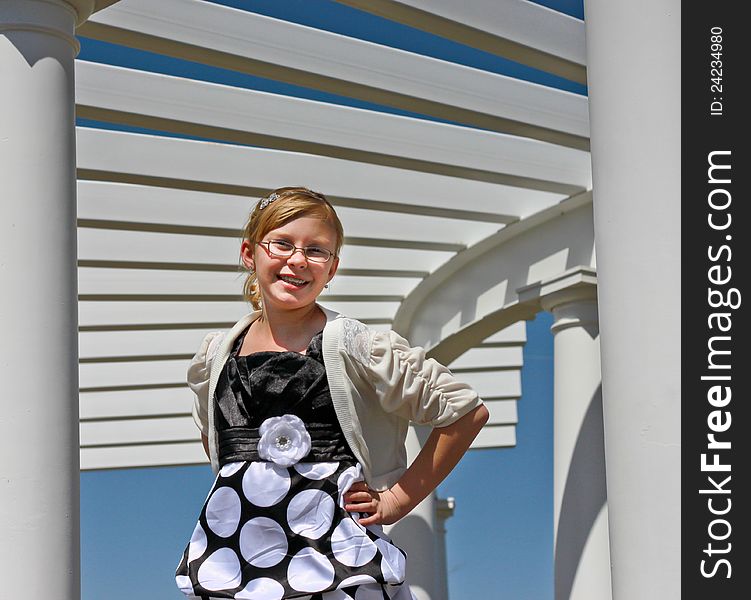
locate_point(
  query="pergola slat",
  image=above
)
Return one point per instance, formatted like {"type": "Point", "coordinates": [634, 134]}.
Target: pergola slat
{"type": "Point", "coordinates": [502, 412]}
{"type": "Point", "coordinates": [284, 51]}
{"type": "Point", "coordinates": [146, 281]}
{"type": "Point", "coordinates": [495, 383]}
{"type": "Point", "coordinates": [120, 245]}
{"type": "Point", "coordinates": [132, 431]}
{"type": "Point", "coordinates": [137, 313]}
{"type": "Point", "coordinates": [96, 406]}
{"type": "Point", "coordinates": [117, 205]}
{"type": "Point", "coordinates": [222, 168]}
{"type": "Point", "coordinates": [258, 118]}
{"type": "Point", "coordinates": [146, 455]}
{"type": "Point", "coordinates": [124, 344]}
{"type": "Point", "coordinates": [495, 436]}
{"type": "Point", "coordinates": [123, 374]}
{"type": "Point", "coordinates": [476, 358]}
{"type": "Point", "coordinates": [522, 31]}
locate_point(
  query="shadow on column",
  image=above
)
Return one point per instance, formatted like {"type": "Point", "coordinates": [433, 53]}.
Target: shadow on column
{"type": "Point", "coordinates": [410, 534]}
{"type": "Point", "coordinates": [36, 48]}
{"type": "Point", "coordinates": [584, 496]}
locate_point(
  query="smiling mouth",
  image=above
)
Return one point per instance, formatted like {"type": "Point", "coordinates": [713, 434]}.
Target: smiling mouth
{"type": "Point", "coordinates": [297, 282]}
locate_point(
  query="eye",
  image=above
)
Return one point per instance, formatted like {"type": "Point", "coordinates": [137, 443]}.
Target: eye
{"type": "Point", "coordinates": [316, 252]}
{"type": "Point", "coordinates": [281, 246]}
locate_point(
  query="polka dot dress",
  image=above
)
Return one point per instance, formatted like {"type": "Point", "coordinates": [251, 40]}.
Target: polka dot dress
{"type": "Point", "coordinates": [268, 532]}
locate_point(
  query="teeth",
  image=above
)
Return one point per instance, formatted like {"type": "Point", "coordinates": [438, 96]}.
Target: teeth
{"type": "Point", "coordinates": [292, 279]}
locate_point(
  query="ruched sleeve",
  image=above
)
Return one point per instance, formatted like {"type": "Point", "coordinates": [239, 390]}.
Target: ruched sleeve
{"type": "Point", "coordinates": [199, 371]}
{"type": "Point", "coordinates": [415, 387]}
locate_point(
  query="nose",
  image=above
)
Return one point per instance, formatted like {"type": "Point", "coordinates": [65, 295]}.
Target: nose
{"type": "Point", "coordinates": [298, 257]}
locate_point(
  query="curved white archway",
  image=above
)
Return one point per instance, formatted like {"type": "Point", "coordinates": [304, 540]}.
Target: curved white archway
{"type": "Point", "coordinates": [476, 293]}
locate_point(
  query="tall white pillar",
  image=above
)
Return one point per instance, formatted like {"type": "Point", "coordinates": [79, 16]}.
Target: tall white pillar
{"type": "Point", "coordinates": [582, 558]}
{"type": "Point", "coordinates": [634, 77]}
{"type": "Point", "coordinates": [416, 534]}
{"type": "Point", "coordinates": [444, 511]}
{"type": "Point", "coordinates": [39, 475]}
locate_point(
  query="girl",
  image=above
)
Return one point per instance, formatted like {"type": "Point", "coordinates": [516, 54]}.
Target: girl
{"type": "Point", "coordinates": [303, 413]}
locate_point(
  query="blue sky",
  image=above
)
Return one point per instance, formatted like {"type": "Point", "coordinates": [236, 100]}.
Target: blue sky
{"type": "Point", "coordinates": [136, 522]}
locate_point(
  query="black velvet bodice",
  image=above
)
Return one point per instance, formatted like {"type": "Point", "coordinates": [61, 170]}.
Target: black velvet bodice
{"type": "Point", "coordinates": [252, 388]}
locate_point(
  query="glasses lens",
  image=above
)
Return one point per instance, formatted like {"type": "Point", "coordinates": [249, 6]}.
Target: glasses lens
{"type": "Point", "coordinates": [281, 248]}
{"type": "Point", "coordinates": [317, 254]}
{"type": "Point", "coordinates": [286, 249]}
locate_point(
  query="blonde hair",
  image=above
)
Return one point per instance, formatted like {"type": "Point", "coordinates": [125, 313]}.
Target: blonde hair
{"type": "Point", "coordinates": [289, 204]}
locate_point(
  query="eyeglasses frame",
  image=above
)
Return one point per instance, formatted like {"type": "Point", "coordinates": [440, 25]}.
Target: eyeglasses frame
{"type": "Point", "coordinates": [267, 243]}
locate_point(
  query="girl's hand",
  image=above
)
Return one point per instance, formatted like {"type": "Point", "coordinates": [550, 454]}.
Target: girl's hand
{"type": "Point", "coordinates": [383, 508]}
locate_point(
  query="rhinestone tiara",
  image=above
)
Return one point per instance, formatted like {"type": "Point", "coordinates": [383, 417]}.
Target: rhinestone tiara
{"type": "Point", "coordinates": [268, 200]}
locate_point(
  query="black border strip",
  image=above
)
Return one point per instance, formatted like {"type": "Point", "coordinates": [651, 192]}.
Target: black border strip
{"type": "Point", "coordinates": [715, 329]}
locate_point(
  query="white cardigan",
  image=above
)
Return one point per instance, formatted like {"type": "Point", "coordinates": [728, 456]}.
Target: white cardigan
{"type": "Point", "coordinates": [378, 385]}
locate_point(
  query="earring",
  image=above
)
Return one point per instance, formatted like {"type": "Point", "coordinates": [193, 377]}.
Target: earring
{"type": "Point", "coordinates": [326, 286]}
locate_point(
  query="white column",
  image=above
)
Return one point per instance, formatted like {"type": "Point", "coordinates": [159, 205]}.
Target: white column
{"type": "Point", "coordinates": [416, 534]}
{"type": "Point", "coordinates": [582, 565]}
{"type": "Point", "coordinates": [39, 475]}
{"type": "Point", "coordinates": [634, 77]}
{"type": "Point", "coordinates": [444, 511]}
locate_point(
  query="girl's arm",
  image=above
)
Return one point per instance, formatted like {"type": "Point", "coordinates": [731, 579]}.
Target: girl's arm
{"type": "Point", "coordinates": [440, 454]}
{"type": "Point", "coordinates": [205, 441]}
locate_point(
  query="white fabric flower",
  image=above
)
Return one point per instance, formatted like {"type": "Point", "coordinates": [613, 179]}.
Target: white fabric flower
{"type": "Point", "coordinates": [284, 440]}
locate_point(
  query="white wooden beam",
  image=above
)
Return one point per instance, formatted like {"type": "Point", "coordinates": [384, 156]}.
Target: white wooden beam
{"type": "Point", "coordinates": [522, 31]}
{"type": "Point", "coordinates": [502, 412]}
{"type": "Point", "coordinates": [513, 334]}
{"type": "Point", "coordinates": [146, 455]}
{"type": "Point", "coordinates": [102, 203]}
{"type": "Point", "coordinates": [495, 436]}
{"type": "Point", "coordinates": [488, 358]}
{"type": "Point", "coordinates": [235, 170]}
{"type": "Point", "coordinates": [276, 49]}
{"type": "Point", "coordinates": [248, 117]}
{"type": "Point", "coordinates": [123, 374]}
{"type": "Point", "coordinates": [100, 315]}
{"type": "Point", "coordinates": [115, 244]}
{"type": "Point", "coordinates": [113, 281]}
{"type": "Point", "coordinates": [491, 384]}
{"type": "Point", "coordinates": [136, 403]}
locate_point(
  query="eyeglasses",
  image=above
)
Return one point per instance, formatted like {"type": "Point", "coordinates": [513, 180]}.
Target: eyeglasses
{"type": "Point", "coordinates": [284, 249]}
